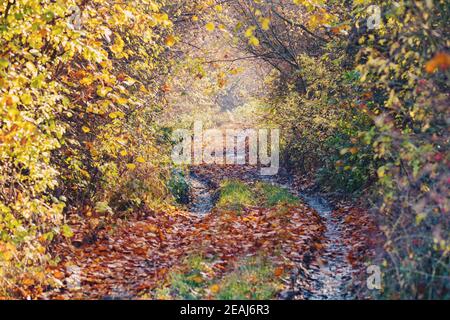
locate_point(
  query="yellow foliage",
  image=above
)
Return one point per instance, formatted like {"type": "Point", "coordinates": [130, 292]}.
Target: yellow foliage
{"type": "Point", "coordinates": [210, 26]}
{"type": "Point", "coordinates": [53, 65]}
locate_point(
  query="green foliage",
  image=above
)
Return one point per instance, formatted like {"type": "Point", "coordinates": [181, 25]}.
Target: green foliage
{"type": "Point", "coordinates": [253, 279]}
{"type": "Point", "coordinates": [235, 195]}
{"type": "Point", "coordinates": [179, 187]}
{"type": "Point", "coordinates": [271, 195]}
{"type": "Point", "coordinates": [188, 285]}
{"type": "Point", "coordinates": [250, 279]}
{"type": "Point", "coordinates": [349, 167]}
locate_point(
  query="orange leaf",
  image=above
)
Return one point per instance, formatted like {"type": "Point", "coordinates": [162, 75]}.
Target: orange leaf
{"type": "Point", "coordinates": [214, 288]}
{"type": "Point", "coordinates": [166, 88]}
{"type": "Point", "coordinates": [28, 282]}
{"type": "Point", "coordinates": [197, 279]}
{"type": "Point", "coordinates": [441, 60]}
{"type": "Point", "coordinates": [279, 272]}
{"type": "Point", "coordinates": [170, 41]}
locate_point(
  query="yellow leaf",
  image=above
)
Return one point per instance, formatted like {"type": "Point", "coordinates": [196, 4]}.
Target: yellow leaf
{"type": "Point", "coordinates": [85, 173]}
{"type": "Point", "coordinates": [11, 100]}
{"type": "Point", "coordinates": [26, 99]}
{"type": "Point", "coordinates": [265, 24]}
{"type": "Point", "coordinates": [131, 166]}
{"type": "Point", "coordinates": [87, 81]}
{"type": "Point", "coordinates": [143, 89]}
{"type": "Point", "coordinates": [7, 255]}
{"type": "Point", "coordinates": [86, 129]}
{"type": "Point", "coordinates": [28, 282]}
{"type": "Point", "coordinates": [249, 32]}
{"type": "Point", "coordinates": [4, 63]}
{"type": "Point", "coordinates": [140, 160]}
{"type": "Point", "coordinates": [115, 115]}
{"type": "Point", "coordinates": [170, 41]}
{"type": "Point", "coordinates": [381, 172]}
{"type": "Point", "coordinates": [214, 288]}
{"type": "Point", "coordinates": [103, 91]}
{"type": "Point", "coordinates": [253, 41]}
{"type": "Point", "coordinates": [121, 100]}
{"type": "Point", "coordinates": [197, 279]}
{"type": "Point", "coordinates": [210, 26]}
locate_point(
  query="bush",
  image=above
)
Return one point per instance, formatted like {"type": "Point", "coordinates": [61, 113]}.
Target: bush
{"type": "Point", "coordinates": [75, 112]}
{"type": "Point", "coordinates": [179, 187]}
{"type": "Point", "coordinates": [349, 167]}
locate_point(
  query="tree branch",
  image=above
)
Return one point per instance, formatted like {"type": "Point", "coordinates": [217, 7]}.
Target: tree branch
{"type": "Point", "coordinates": [299, 25]}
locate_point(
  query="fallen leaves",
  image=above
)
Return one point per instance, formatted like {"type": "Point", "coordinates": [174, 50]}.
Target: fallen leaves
{"type": "Point", "coordinates": [128, 255]}
{"type": "Point", "coordinates": [59, 275]}
{"type": "Point", "coordinates": [139, 254]}
{"type": "Point", "coordinates": [360, 230]}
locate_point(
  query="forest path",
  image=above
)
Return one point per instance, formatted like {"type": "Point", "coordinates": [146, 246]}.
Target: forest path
{"type": "Point", "coordinates": [328, 275]}
{"type": "Point", "coordinates": [315, 251]}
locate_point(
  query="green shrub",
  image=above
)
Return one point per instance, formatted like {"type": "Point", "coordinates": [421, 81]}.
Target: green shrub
{"type": "Point", "coordinates": [350, 165]}
{"type": "Point", "coordinates": [179, 187]}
